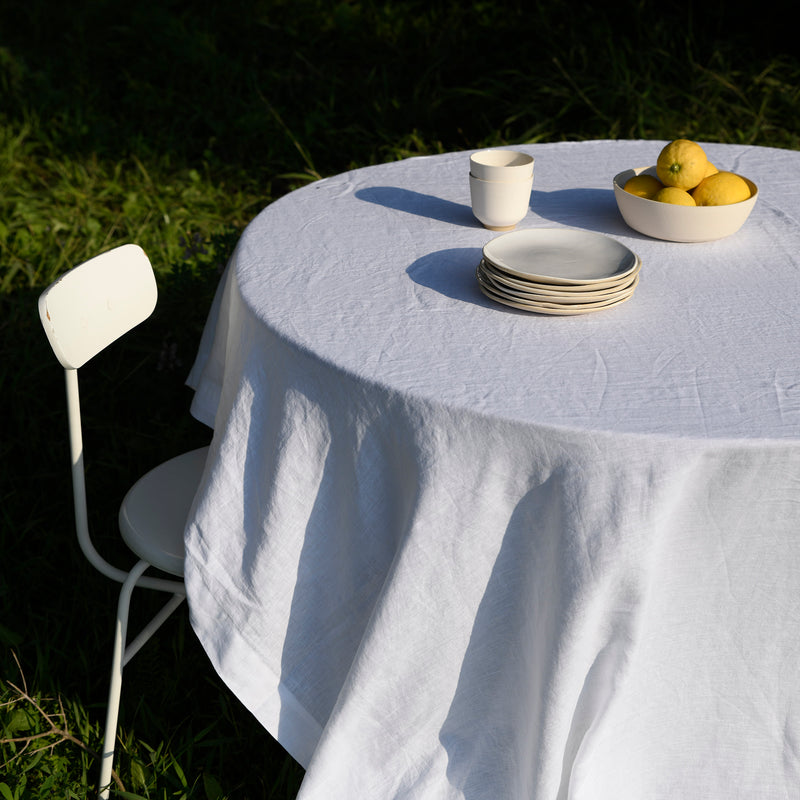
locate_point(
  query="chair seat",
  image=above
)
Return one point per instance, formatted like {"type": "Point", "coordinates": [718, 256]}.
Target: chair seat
{"type": "Point", "coordinates": [153, 514]}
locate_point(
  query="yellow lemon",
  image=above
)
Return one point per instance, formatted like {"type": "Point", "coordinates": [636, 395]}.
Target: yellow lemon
{"type": "Point", "coordinates": [675, 196]}
{"type": "Point", "coordinates": [710, 170]}
{"type": "Point", "coordinates": [643, 185]}
{"type": "Point", "coordinates": [721, 189]}
{"type": "Point", "coordinates": [682, 163]}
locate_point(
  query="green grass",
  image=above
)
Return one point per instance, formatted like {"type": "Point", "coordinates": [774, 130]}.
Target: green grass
{"type": "Point", "coordinates": [172, 124]}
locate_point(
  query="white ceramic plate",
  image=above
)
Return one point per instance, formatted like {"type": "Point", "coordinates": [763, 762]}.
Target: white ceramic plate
{"type": "Point", "coordinates": [593, 289]}
{"type": "Point", "coordinates": [560, 256]}
{"type": "Point", "coordinates": [567, 298]}
{"type": "Point", "coordinates": [550, 308]}
{"type": "Point", "coordinates": [550, 302]}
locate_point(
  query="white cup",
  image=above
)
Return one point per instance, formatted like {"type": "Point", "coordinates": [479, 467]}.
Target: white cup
{"type": "Point", "coordinates": [500, 205]}
{"type": "Point", "coordinates": [501, 165]}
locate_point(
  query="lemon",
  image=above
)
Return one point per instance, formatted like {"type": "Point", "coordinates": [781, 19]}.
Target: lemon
{"type": "Point", "coordinates": [682, 163]}
{"type": "Point", "coordinates": [721, 189]}
{"type": "Point", "coordinates": [675, 196]}
{"type": "Point", "coordinates": [643, 185]}
{"type": "Point", "coordinates": [710, 170]}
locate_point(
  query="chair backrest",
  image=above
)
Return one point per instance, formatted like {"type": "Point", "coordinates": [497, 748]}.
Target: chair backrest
{"type": "Point", "coordinates": [98, 301]}
{"type": "Point", "coordinates": [83, 312]}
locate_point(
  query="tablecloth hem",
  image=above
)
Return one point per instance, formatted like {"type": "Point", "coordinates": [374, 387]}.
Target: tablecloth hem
{"type": "Point", "coordinates": [271, 702]}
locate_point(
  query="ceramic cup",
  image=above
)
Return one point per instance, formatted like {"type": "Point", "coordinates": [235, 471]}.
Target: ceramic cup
{"type": "Point", "coordinates": [501, 165]}
{"type": "Point", "coordinates": [500, 183]}
{"type": "Point", "coordinates": [500, 205]}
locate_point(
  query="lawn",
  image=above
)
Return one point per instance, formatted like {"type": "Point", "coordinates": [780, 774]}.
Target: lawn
{"type": "Point", "coordinates": [171, 124]}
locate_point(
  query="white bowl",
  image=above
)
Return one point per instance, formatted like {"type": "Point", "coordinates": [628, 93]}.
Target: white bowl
{"type": "Point", "coordinates": [501, 165]}
{"type": "Point", "coordinates": [680, 223]}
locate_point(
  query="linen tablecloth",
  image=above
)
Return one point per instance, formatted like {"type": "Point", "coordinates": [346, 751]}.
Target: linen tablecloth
{"type": "Point", "coordinates": [447, 549]}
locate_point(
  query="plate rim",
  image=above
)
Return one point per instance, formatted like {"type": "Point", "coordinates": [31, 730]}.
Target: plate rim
{"type": "Point", "coordinates": [581, 288]}
{"type": "Point", "coordinates": [565, 298]}
{"type": "Point", "coordinates": [554, 279]}
{"type": "Point", "coordinates": [561, 311]}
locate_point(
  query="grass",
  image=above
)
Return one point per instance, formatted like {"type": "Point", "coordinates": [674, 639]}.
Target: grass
{"type": "Point", "coordinates": [171, 124]}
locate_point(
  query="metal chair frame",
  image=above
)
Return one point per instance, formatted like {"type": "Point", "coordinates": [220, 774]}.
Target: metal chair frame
{"type": "Point", "coordinates": [117, 268]}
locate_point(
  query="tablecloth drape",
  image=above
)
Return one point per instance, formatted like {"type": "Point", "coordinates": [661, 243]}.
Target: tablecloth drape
{"type": "Point", "coordinates": [447, 549]}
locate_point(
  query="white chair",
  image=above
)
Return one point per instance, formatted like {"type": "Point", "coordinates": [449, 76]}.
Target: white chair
{"type": "Point", "coordinates": [82, 312]}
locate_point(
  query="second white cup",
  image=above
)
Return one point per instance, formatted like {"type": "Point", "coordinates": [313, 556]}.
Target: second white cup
{"type": "Point", "coordinates": [500, 185]}
{"type": "Point", "coordinates": [500, 205]}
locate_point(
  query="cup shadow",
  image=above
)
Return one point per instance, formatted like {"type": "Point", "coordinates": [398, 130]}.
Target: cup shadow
{"type": "Point", "coordinates": [423, 205]}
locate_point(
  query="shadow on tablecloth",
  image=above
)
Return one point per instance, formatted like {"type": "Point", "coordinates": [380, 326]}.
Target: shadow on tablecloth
{"type": "Point", "coordinates": [588, 209]}
{"type": "Point", "coordinates": [451, 272]}
{"type": "Point", "coordinates": [423, 205]}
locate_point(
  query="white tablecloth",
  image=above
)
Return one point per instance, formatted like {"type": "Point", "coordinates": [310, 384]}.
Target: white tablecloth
{"type": "Point", "coordinates": [446, 549]}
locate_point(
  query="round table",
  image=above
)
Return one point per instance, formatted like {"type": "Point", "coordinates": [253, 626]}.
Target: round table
{"type": "Point", "coordinates": [446, 548]}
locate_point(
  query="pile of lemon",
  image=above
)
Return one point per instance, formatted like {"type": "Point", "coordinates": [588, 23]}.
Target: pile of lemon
{"type": "Point", "coordinates": [687, 178]}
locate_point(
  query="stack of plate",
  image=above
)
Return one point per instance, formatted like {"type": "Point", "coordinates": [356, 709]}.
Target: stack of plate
{"type": "Point", "coordinates": [558, 271]}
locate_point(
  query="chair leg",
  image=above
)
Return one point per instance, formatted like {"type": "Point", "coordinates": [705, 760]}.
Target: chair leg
{"type": "Point", "coordinates": [147, 632]}
{"type": "Point", "coordinates": [115, 690]}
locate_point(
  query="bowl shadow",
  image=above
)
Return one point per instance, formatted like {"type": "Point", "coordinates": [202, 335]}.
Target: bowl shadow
{"type": "Point", "coordinates": [589, 209]}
